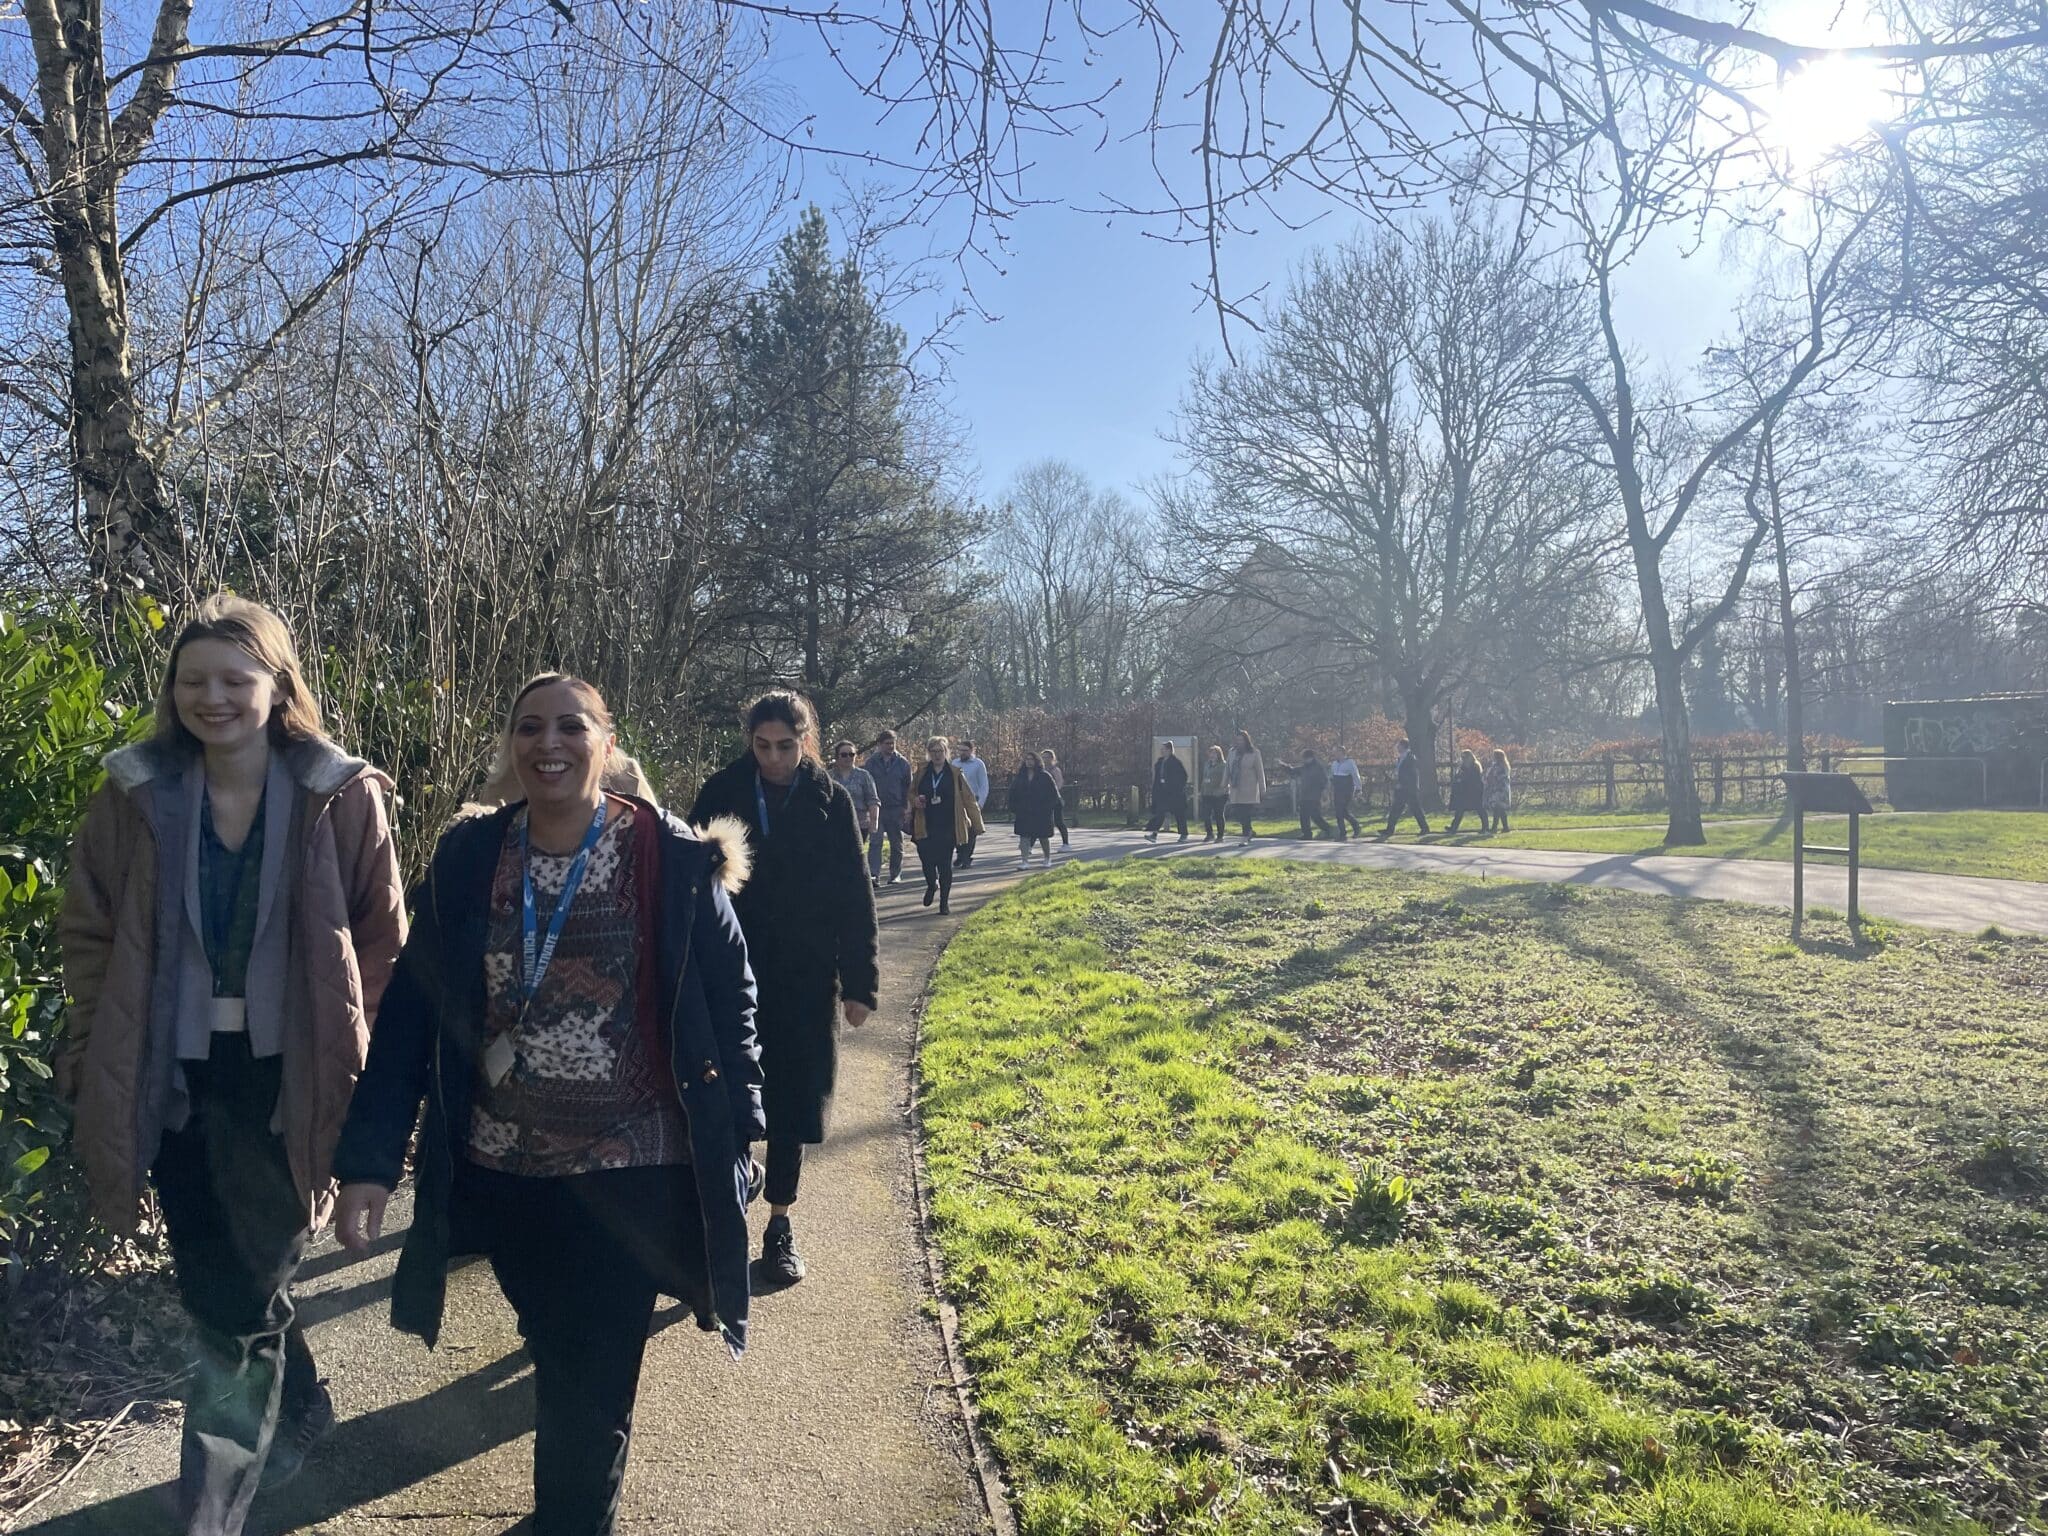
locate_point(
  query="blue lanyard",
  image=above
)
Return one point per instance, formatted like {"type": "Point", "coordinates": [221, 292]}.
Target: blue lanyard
{"type": "Point", "coordinates": [761, 801]}
{"type": "Point", "coordinates": [536, 956]}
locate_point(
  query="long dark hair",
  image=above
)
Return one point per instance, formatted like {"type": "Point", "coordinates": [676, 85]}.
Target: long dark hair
{"type": "Point", "coordinates": [789, 707]}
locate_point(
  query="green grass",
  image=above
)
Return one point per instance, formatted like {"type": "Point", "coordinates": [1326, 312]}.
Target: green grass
{"type": "Point", "coordinates": [2010, 845]}
{"type": "Point", "coordinates": [1281, 1198]}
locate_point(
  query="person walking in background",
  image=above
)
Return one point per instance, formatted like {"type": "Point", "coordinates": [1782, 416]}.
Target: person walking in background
{"type": "Point", "coordinates": [1343, 790]}
{"type": "Point", "coordinates": [575, 1010]}
{"type": "Point", "coordinates": [944, 814]}
{"type": "Point", "coordinates": [1169, 793]}
{"type": "Point", "coordinates": [1468, 792]}
{"type": "Point", "coordinates": [859, 785]}
{"type": "Point", "coordinates": [232, 918]}
{"type": "Point", "coordinates": [1407, 791]}
{"type": "Point", "coordinates": [1034, 809]}
{"type": "Point", "coordinates": [1308, 795]}
{"type": "Point", "coordinates": [1246, 776]}
{"type": "Point", "coordinates": [975, 771]}
{"type": "Point", "coordinates": [808, 913]}
{"type": "Point", "coordinates": [1499, 791]}
{"type": "Point", "coordinates": [1215, 793]}
{"type": "Point", "coordinates": [892, 773]}
{"type": "Point", "coordinates": [1051, 764]}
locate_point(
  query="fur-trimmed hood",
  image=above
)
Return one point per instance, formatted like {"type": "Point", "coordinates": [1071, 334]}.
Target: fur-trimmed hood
{"type": "Point", "coordinates": [315, 764]}
{"type": "Point", "coordinates": [735, 859]}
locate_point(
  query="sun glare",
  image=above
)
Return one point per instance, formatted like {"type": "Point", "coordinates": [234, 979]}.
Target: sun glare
{"type": "Point", "coordinates": [1823, 108]}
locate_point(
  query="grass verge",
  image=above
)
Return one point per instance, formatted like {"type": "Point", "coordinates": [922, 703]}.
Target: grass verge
{"type": "Point", "coordinates": [1282, 1199]}
{"type": "Point", "coordinates": [2007, 845]}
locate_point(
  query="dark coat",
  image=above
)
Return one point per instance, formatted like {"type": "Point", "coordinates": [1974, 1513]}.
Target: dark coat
{"type": "Point", "coordinates": [1309, 780]}
{"type": "Point", "coordinates": [809, 916]}
{"type": "Point", "coordinates": [1468, 789]}
{"type": "Point", "coordinates": [425, 1046]}
{"type": "Point", "coordinates": [1034, 804]}
{"type": "Point", "coordinates": [1407, 774]}
{"type": "Point", "coordinates": [1169, 781]}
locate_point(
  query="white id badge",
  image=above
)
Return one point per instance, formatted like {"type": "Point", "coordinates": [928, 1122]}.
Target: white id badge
{"type": "Point", "coordinates": [498, 1059]}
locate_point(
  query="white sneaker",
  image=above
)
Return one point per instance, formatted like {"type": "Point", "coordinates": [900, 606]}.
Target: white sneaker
{"type": "Point", "coordinates": [1023, 863]}
{"type": "Point", "coordinates": [1048, 862]}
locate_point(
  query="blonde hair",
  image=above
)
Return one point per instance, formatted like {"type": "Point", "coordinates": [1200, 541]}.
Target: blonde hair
{"type": "Point", "coordinates": [1047, 757]}
{"type": "Point", "coordinates": [937, 741]}
{"type": "Point", "coordinates": [623, 774]}
{"type": "Point", "coordinates": [253, 628]}
{"type": "Point", "coordinates": [1470, 757]}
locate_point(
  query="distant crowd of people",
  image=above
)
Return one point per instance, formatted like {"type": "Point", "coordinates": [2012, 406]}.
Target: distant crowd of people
{"type": "Point", "coordinates": [942, 807]}
{"type": "Point", "coordinates": [1233, 787]}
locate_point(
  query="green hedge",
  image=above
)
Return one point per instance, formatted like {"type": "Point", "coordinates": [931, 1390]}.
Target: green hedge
{"type": "Point", "coordinates": [58, 717]}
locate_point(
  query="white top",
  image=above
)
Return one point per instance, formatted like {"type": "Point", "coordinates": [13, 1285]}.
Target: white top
{"type": "Point", "coordinates": [1344, 768]}
{"type": "Point", "coordinates": [975, 772]}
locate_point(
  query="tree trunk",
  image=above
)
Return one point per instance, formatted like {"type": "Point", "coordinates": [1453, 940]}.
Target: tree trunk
{"type": "Point", "coordinates": [1683, 826]}
{"type": "Point", "coordinates": [126, 508]}
{"type": "Point", "coordinates": [1418, 711]}
{"type": "Point", "coordinates": [1788, 629]}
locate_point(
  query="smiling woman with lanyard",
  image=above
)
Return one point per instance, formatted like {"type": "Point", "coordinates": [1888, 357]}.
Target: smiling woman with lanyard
{"type": "Point", "coordinates": [809, 915]}
{"type": "Point", "coordinates": [575, 1008]}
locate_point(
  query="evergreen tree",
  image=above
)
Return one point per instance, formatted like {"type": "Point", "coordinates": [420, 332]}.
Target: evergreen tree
{"type": "Point", "coordinates": [848, 573]}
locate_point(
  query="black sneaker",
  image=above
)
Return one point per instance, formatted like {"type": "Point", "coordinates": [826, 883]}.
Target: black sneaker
{"type": "Point", "coordinates": [300, 1427]}
{"type": "Point", "coordinates": [931, 894]}
{"type": "Point", "coordinates": [781, 1264]}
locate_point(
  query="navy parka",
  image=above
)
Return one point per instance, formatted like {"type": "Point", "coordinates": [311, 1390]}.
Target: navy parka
{"type": "Point", "coordinates": [425, 1047]}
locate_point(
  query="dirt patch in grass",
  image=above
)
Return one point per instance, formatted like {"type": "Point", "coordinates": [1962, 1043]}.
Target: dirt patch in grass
{"type": "Point", "coordinates": [1281, 1198]}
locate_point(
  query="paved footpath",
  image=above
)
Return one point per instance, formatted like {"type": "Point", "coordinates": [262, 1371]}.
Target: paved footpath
{"type": "Point", "coordinates": [1962, 902]}
{"type": "Point", "coordinates": [842, 1418]}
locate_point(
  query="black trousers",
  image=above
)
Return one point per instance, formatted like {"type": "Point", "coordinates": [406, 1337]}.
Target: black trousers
{"type": "Point", "coordinates": [1212, 816]}
{"type": "Point", "coordinates": [1175, 806]}
{"type": "Point", "coordinates": [238, 1233]}
{"type": "Point", "coordinates": [1341, 790]}
{"type": "Point", "coordinates": [1406, 801]}
{"type": "Point", "coordinates": [1458, 819]}
{"type": "Point", "coordinates": [1312, 810]}
{"type": "Point", "coordinates": [936, 854]}
{"type": "Point", "coordinates": [1244, 814]}
{"type": "Point", "coordinates": [1059, 819]}
{"type": "Point", "coordinates": [785, 1168]}
{"type": "Point", "coordinates": [963, 853]}
{"type": "Point", "coordinates": [581, 1260]}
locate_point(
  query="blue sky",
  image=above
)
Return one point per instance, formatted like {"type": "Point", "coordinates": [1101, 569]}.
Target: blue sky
{"type": "Point", "coordinates": [1095, 319]}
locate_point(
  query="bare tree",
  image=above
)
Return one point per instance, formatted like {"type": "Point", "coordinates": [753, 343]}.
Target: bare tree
{"type": "Point", "coordinates": [1386, 476]}
{"type": "Point", "coordinates": [131, 147]}
{"type": "Point", "coordinates": [1065, 620]}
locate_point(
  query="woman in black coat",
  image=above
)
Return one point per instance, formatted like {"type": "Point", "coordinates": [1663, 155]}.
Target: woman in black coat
{"type": "Point", "coordinates": [809, 917]}
{"type": "Point", "coordinates": [1035, 808]}
{"type": "Point", "coordinates": [1468, 792]}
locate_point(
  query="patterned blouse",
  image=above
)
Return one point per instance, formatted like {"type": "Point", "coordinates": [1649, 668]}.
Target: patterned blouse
{"type": "Point", "coordinates": [588, 1089]}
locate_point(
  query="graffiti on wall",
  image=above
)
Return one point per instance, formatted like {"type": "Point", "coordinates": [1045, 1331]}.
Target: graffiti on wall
{"type": "Point", "coordinates": [1970, 732]}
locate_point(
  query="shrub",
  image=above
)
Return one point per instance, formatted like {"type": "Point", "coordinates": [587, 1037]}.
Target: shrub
{"type": "Point", "coordinates": [57, 718]}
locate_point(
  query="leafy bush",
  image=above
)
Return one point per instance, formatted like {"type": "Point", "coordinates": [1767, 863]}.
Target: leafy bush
{"type": "Point", "coordinates": [57, 718]}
